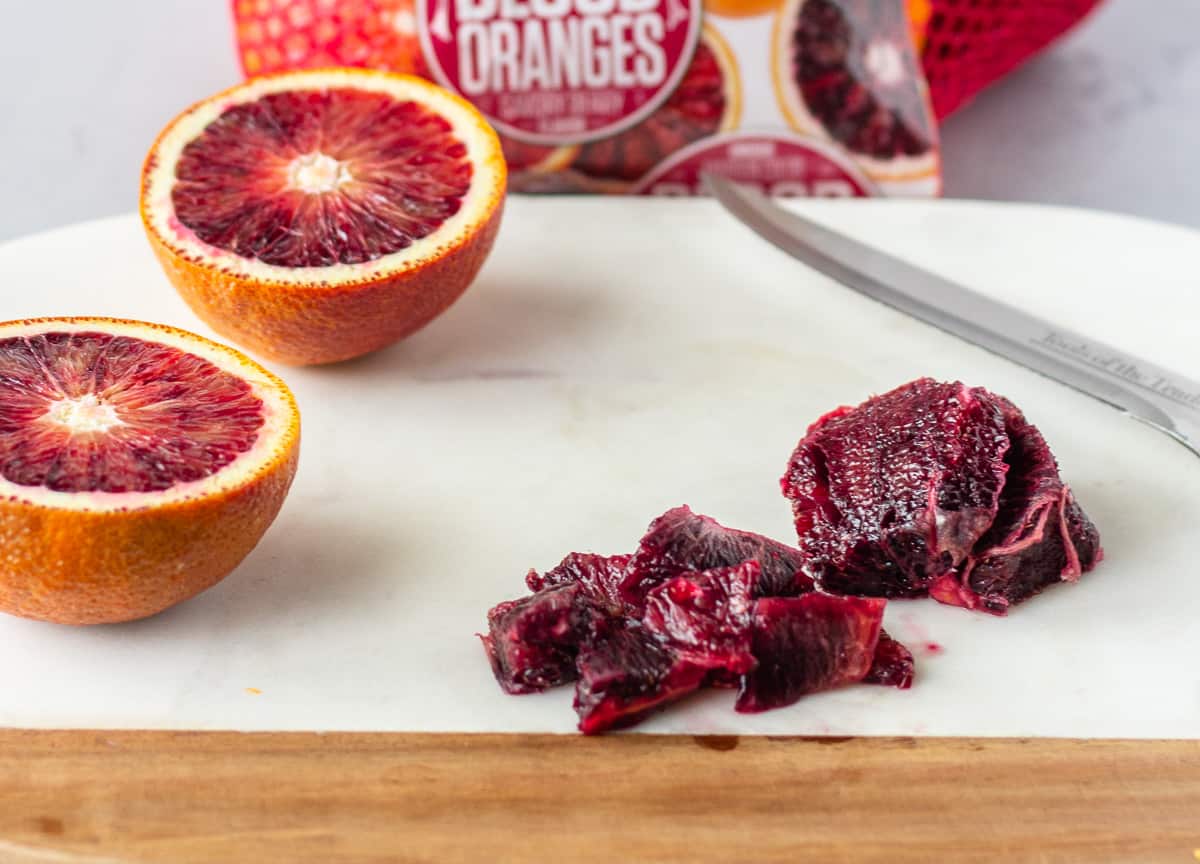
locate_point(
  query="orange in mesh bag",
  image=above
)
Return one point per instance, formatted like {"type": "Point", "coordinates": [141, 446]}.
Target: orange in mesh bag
{"type": "Point", "coordinates": [808, 97]}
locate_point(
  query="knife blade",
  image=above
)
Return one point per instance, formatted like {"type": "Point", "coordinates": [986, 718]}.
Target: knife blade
{"type": "Point", "coordinates": [1144, 390]}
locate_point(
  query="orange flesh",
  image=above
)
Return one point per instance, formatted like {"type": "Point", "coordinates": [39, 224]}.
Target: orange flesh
{"type": "Point", "coordinates": [90, 411]}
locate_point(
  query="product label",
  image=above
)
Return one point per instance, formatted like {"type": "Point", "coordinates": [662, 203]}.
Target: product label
{"type": "Point", "coordinates": [560, 71]}
{"type": "Point", "coordinates": [778, 165]}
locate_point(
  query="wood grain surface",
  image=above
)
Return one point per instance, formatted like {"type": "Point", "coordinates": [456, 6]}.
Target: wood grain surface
{"type": "Point", "coordinates": [92, 797]}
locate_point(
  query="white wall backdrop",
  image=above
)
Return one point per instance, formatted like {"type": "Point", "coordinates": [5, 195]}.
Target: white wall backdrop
{"type": "Point", "coordinates": [1110, 118]}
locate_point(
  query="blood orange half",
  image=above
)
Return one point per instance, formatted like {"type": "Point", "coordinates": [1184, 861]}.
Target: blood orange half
{"type": "Point", "coordinates": [139, 464]}
{"type": "Point", "coordinates": [314, 216]}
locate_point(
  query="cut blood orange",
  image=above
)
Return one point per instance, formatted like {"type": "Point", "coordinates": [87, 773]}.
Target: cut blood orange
{"type": "Point", "coordinates": [139, 464]}
{"type": "Point", "coordinates": [707, 101]}
{"type": "Point", "coordinates": [315, 216]}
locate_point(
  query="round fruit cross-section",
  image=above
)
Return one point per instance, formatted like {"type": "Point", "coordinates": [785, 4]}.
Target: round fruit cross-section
{"type": "Point", "coordinates": [315, 216]}
{"type": "Point", "coordinates": [139, 464]}
{"type": "Point", "coordinates": [708, 100]}
{"type": "Point", "coordinates": [846, 69]}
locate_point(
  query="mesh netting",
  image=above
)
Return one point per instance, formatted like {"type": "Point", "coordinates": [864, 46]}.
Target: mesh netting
{"type": "Point", "coordinates": [971, 43]}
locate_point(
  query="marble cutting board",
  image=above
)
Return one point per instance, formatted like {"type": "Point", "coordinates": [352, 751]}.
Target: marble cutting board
{"type": "Point", "coordinates": [617, 358]}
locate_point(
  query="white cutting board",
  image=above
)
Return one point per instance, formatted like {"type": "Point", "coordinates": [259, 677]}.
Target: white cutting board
{"type": "Point", "coordinates": [618, 357]}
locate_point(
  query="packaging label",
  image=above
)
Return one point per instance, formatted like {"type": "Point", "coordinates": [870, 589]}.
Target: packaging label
{"type": "Point", "coordinates": [779, 165]}
{"type": "Point", "coordinates": [797, 97]}
{"type": "Point", "coordinates": [560, 71]}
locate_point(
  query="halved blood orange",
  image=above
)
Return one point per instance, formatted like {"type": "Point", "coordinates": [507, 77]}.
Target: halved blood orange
{"type": "Point", "coordinates": [707, 101]}
{"type": "Point", "coordinates": [139, 464]}
{"type": "Point", "coordinates": [314, 216]}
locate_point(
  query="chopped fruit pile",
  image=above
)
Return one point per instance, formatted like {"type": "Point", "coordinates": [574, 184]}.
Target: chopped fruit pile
{"type": "Point", "coordinates": [936, 489]}
{"type": "Point", "coordinates": [696, 605]}
{"type": "Point", "coordinates": [932, 489]}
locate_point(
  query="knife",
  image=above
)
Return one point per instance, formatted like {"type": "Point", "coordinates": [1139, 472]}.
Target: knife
{"type": "Point", "coordinates": [1160, 398]}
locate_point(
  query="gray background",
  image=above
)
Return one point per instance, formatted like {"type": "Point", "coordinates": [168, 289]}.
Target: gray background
{"type": "Point", "coordinates": [1109, 118]}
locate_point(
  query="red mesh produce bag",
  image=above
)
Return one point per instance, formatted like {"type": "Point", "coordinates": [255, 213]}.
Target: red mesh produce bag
{"type": "Point", "coordinates": [275, 35]}
{"type": "Point", "coordinates": [968, 44]}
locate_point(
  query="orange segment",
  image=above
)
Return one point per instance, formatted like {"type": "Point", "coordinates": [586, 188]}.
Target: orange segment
{"type": "Point", "coordinates": [139, 464]}
{"type": "Point", "coordinates": [315, 216]}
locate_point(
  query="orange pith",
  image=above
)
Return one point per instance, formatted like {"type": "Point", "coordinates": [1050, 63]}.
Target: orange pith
{"type": "Point", "coordinates": [322, 314]}
{"type": "Point", "coordinates": [104, 557]}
